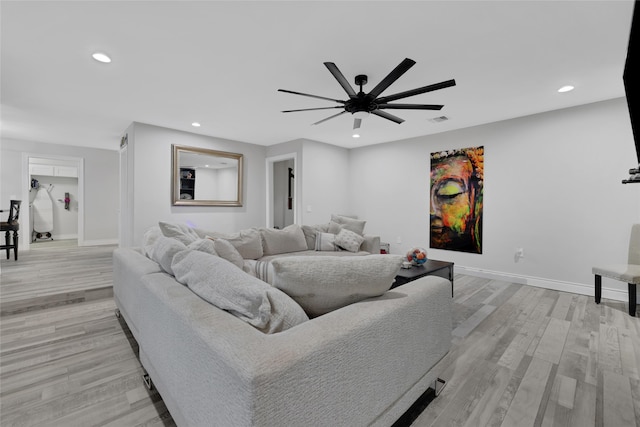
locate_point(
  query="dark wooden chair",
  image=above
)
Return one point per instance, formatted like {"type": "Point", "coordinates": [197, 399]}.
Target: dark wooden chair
{"type": "Point", "coordinates": [629, 272]}
{"type": "Point", "coordinates": [11, 228]}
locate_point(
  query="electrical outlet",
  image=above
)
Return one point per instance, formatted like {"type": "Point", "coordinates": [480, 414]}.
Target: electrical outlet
{"type": "Point", "coordinates": [399, 240]}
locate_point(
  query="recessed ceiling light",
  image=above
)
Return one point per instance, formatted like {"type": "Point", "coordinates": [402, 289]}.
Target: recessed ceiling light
{"type": "Point", "coordinates": [195, 124]}
{"type": "Point", "coordinates": [567, 88]}
{"type": "Point", "coordinates": [101, 57]}
{"type": "Point", "coordinates": [356, 135]}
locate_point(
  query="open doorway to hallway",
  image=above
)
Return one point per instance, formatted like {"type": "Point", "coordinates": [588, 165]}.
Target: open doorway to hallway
{"type": "Point", "coordinates": [281, 191]}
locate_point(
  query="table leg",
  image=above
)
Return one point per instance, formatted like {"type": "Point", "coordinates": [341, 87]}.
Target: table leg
{"type": "Point", "coordinates": [632, 299]}
{"type": "Point", "coordinates": [598, 288]}
{"type": "Point", "coordinates": [451, 279]}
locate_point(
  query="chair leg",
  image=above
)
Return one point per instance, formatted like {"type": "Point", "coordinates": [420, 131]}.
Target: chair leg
{"type": "Point", "coordinates": [632, 299]}
{"type": "Point", "coordinates": [598, 288]}
{"type": "Point", "coordinates": [15, 245]}
{"type": "Point", "coordinates": [7, 237]}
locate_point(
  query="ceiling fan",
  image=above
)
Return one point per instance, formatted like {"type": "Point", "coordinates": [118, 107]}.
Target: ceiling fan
{"type": "Point", "coordinates": [362, 104]}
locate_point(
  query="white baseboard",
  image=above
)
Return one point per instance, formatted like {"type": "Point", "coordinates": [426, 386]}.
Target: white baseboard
{"type": "Point", "coordinates": [98, 242]}
{"type": "Point", "coordinates": [558, 285]}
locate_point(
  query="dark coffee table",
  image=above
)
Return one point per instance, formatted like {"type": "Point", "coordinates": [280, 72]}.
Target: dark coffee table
{"type": "Point", "coordinates": [430, 268]}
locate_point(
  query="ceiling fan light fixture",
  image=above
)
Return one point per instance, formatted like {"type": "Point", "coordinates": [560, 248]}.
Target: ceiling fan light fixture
{"type": "Point", "coordinates": [101, 57]}
{"type": "Point", "coordinates": [361, 114]}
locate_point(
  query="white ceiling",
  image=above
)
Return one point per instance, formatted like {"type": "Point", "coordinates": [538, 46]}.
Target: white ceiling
{"type": "Point", "coordinates": [221, 63]}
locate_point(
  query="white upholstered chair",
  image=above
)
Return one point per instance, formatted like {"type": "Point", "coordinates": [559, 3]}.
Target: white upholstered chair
{"type": "Point", "coordinates": [629, 272]}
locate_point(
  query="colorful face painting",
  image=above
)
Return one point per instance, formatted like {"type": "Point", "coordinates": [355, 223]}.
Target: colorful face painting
{"type": "Point", "coordinates": [456, 199]}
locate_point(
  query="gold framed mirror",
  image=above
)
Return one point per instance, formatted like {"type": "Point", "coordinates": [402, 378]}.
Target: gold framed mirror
{"type": "Point", "coordinates": [203, 177]}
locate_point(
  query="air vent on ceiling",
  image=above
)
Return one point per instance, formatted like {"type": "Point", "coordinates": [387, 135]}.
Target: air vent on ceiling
{"type": "Point", "coordinates": [439, 119]}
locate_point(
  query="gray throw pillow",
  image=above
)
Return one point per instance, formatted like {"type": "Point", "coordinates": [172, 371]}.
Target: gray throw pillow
{"type": "Point", "coordinates": [218, 282]}
{"type": "Point", "coordinates": [289, 239]}
{"type": "Point", "coordinates": [310, 232]}
{"type": "Point", "coordinates": [326, 242]}
{"type": "Point", "coordinates": [164, 249]}
{"type": "Point", "coordinates": [226, 250]}
{"type": "Point", "coordinates": [352, 224]}
{"type": "Point", "coordinates": [321, 284]}
{"type": "Point", "coordinates": [248, 242]}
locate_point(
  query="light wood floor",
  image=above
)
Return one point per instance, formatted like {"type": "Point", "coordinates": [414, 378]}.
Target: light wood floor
{"type": "Point", "coordinates": [521, 356]}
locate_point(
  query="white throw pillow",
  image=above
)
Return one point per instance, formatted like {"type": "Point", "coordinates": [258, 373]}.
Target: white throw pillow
{"type": "Point", "coordinates": [218, 282]}
{"type": "Point", "coordinates": [348, 240]}
{"type": "Point", "coordinates": [148, 240]}
{"type": "Point", "coordinates": [248, 242]}
{"type": "Point", "coordinates": [352, 224]}
{"type": "Point", "coordinates": [289, 239]}
{"type": "Point", "coordinates": [321, 284]}
{"type": "Point", "coordinates": [326, 242]}
{"type": "Point", "coordinates": [180, 232]}
{"type": "Point", "coordinates": [203, 245]}
{"type": "Point", "coordinates": [259, 269]}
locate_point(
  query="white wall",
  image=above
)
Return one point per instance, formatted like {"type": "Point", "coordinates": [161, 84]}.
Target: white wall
{"type": "Point", "coordinates": [150, 151]}
{"type": "Point", "coordinates": [100, 169]}
{"type": "Point", "coordinates": [552, 186]}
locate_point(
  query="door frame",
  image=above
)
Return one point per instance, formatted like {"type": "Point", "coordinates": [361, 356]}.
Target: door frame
{"type": "Point", "coordinates": [269, 187]}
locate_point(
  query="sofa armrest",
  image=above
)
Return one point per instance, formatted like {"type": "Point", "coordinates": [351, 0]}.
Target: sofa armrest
{"type": "Point", "coordinates": [371, 244]}
{"type": "Point", "coordinates": [214, 369]}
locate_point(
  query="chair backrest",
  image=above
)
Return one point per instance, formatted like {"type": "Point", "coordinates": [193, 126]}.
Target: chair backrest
{"type": "Point", "coordinates": [634, 245]}
{"type": "Point", "coordinates": [14, 211]}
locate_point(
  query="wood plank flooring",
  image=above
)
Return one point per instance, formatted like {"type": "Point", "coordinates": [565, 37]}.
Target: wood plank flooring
{"type": "Point", "coordinates": [521, 356]}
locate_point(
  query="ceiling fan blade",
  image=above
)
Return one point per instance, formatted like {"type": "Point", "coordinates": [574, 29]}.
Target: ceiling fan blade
{"type": "Point", "coordinates": [417, 91]}
{"type": "Point", "coordinates": [329, 118]}
{"type": "Point", "coordinates": [312, 109]}
{"type": "Point", "coordinates": [357, 123]}
{"type": "Point", "coordinates": [341, 79]}
{"type": "Point", "coordinates": [394, 75]}
{"type": "Point", "coordinates": [387, 116]}
{"type": "Point", "coordinates": [410, 107]}
{"type": "Point", "coordinates": [312, 96]}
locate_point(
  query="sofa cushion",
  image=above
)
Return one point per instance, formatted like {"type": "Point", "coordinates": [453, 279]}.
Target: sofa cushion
{"type": "Point", "coordinates": [310, 232]}
{"type": "Point", "coordinates": [180, 232]}
{"type": "Point", "coordinates": [220, 283]}
{"type": "Point", "coordinates": [289, 239]}
{"type": "Point", "coordinates": [248, 242]}
{"type": "Point", "coordinates": [348, 240]}
{"type": "Point", "coordinates": [226, 250]}
{"type": "Point", "coordinates": [323, 284]}
{"type": "Point", "coordinates": [339, 222]}
{"type": "Point", "coordinates": [326, 242]}
{"type": "Point", "coordinates": [148, 240]}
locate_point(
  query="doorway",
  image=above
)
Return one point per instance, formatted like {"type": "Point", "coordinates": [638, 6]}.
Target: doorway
{"type": "Point", "coordinates": [282, 200]}
{"type": "Point", "coordinates": [56, 217]}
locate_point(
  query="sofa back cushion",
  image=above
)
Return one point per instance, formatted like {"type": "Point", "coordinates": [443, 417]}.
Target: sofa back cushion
{"type": "Point", "coordinates": [321, 284]}
{"type": "Point", "coordinates": [181, 232]}
{"type": "Point", "coordinates": [289, 239]}
{"type": "Point", "coordinates": [311, 231]}
{"type": "Point", "coordinates": [339, 222]}
{"type": "Point", "coordinates": [222, 284]}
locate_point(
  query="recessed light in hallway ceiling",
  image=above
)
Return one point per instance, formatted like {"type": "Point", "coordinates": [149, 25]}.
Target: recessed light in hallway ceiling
{"type": "Point", "coordinates": [101, 57]}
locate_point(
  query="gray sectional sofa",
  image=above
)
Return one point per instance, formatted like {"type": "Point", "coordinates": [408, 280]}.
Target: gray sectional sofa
{"type": "Point", "coordinates": [362, 364]}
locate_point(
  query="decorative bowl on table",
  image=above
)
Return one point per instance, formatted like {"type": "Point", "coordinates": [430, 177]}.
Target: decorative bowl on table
{"type": "Point", "coordinates": [417, 256]}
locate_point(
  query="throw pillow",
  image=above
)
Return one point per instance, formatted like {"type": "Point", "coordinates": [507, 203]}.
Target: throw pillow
{"type": "Point", "coordinates": [310, 232]}
{"type": "Point", "coordinates": [164, 249]}
{"type": "Point", "coordinates": [259, 269]}
{"type": "Point", "coordinates": [289, 239]}
{"type": "Point", "coordinates": [227, 251]}
{"type": "Point", "coordinates": [352, 224]}
{"type": "Point", "coordinates": [148, 240]}
{"type": "Point", "coordinates": [322, 284]}
{"type": "Point", "coordinates": [216, 281]}
{"type": "Point", "coordinates": [248, 242]}
{"type": "Point", "coordinates": [180, 232]}
{"type": "Point", "coordinates": [349, 240]}
{"type": "Point", "coordinates": [326, 242]}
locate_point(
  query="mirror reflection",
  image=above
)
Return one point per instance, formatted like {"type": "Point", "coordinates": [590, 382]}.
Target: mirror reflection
{"type": "Point", "coordinates": [206, 177]}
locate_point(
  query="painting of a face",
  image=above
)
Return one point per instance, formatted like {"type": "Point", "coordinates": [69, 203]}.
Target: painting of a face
{"type": "Point", "coordinates": [456, 199]}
